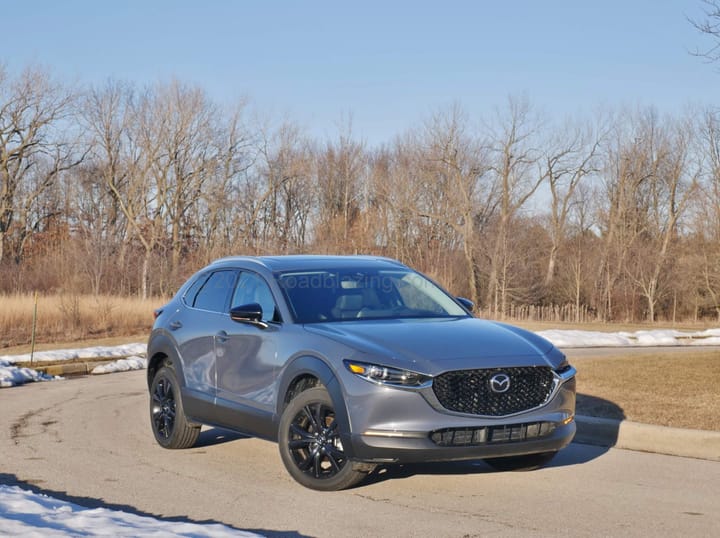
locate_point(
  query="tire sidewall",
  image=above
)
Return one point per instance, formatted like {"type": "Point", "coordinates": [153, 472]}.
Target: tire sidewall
{"type": "Point", "coordinates": [179, 423]}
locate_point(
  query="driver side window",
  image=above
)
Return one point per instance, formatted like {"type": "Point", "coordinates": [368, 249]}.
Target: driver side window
{"type": "Point", "coordinates": [251, 288]}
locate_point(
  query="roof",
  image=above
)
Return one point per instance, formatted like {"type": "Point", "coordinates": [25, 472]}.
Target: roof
{"type": "Point", "coordinates": [311, 262]}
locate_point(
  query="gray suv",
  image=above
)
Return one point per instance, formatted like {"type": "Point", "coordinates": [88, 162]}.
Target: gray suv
{"type": "Point", "coordinates": [348, 362]}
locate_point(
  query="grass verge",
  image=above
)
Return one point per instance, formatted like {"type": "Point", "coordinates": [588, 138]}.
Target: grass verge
{"type": "Point", "coordinates": [681, 390]}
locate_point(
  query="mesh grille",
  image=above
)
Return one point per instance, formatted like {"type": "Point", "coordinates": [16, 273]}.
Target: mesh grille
{"type": "Point", "coordinates": [468, 391]}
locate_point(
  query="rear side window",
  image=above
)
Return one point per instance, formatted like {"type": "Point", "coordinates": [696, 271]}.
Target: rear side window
{"type": "Point", "coordinates": [214, 295]}
{"type": "Point", "coordinates": [191, 293]}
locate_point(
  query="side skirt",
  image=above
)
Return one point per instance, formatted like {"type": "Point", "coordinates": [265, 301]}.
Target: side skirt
{"type": "Point", "coordinates": [204, 409]}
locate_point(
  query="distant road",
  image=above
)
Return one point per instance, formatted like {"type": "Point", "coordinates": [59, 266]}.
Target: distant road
{"type": "Point", "coordinates": [88, 440]}
{"type": "Point", "coordinates": [598, 352]}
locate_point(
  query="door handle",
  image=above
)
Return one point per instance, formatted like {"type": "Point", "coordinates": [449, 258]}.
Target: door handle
{"type": "Point", "coordinates": [222, 337]}
{"type": "Point", "coordinates": [175, 325]}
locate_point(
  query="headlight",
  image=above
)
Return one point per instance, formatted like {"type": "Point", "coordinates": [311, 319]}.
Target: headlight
{"type": "Point", "coordinates": [385, 375]}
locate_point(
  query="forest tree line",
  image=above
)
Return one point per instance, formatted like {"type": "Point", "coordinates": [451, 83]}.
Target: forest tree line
{"type": "Point", "coordinates": [126, 190]}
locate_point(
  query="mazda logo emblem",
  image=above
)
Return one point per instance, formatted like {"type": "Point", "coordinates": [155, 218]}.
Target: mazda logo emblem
{"type": "Point", "coordinates": [500, 383]}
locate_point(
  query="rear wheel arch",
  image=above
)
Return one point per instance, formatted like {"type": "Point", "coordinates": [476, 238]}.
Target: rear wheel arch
{"type": "Point", "coordinates": [161, 352]}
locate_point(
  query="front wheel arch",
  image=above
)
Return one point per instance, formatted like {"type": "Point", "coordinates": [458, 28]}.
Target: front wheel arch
{"type": "Point", "coordinates": [313, 368]}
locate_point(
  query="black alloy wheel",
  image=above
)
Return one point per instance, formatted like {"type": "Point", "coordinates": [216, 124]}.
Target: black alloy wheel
{"type": "Point", "coordinates": [310, 445]}
{"type": "Point", "coordinates": [169, 425]}
{"type": "Point", "coordinates": [163, 410]}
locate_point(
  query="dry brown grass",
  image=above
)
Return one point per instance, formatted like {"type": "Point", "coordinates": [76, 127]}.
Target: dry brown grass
{"type": "Point", "coordinates": [68, 318]}
{"type": "Point", "coordinates": [680, 390]}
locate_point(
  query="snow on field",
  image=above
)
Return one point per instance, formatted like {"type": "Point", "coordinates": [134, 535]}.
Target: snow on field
{"type": "Point", "coordinates": [659, 337]}
{"type": "Point", "coordinates": [23, 513]}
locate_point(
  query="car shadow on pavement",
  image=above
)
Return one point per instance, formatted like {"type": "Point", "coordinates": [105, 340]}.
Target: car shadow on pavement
{"type": "Point", "coordinates": [575, 454]}
{"type": "Point", "coordinates": [598, 420]}
{"type": "Point", "coordinates": [217, 436]}
{"type": "Point", "coordinates": [8, 479]}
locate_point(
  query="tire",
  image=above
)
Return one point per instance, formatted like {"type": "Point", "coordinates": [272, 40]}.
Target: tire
{"type": "Point", "coordinates": [167, 418]}
{"type": "Point", "coordinates": [310, 447]}
{"type": "Point", "coordinates": [529, 462]}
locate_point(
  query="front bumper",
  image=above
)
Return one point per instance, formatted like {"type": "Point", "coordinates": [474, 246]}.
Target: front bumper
{"type": "Point", "coordinates": [405, 426]}
{"type": "Point", "coordinates": [417, 447]}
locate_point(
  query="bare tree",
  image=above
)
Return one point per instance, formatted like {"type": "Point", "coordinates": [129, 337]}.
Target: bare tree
{"type": "Point", "coordinates": [36, 146]}
{"type": "Point", "coordinates": [179, 125]}
{"type": "Point", "coordinates": [216, 212]}
{"type": "Point", "coordinates": [670, 191]}
{"type": "Point", "coordinates": [455, 190]}
{"type": "Point", "coordinates": [570, 157]}
{"type": "Point", "coordinates": [709, 25]}
{"type": "Point", "coordinates": [514, 159]}
{"type": "Point", "coordinates": [707, 225]}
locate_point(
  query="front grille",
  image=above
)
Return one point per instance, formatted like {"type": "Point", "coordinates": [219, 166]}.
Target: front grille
{"type": "Point", "coordinates": [491, 434]}
{"type": "Point", "coordinates": [468, 391]}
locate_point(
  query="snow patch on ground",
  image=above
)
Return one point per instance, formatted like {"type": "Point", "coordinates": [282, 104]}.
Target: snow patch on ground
{"type": "Point", "coordinates": [23, 513]}
{"type": "Point", "coordinates": [98, 352]}
{"type": "Point", "coordinates": [122, 365]}
{"type": "Point", "coordinates": [11, 376]}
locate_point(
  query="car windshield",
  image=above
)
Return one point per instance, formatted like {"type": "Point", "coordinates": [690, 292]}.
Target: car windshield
{"type": "Point", "coordinates": [320, 296]}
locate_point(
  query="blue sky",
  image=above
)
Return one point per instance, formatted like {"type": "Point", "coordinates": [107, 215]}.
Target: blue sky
{"type": "Point", "coordinates": [389, 64]}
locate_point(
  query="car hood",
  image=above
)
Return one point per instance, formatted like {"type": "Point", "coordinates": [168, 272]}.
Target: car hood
{"type": "Point", "coordinates": [432, 346]}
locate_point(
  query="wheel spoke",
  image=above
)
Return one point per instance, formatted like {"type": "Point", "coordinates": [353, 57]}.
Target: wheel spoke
{"type": "Point", "coordinates": [317, 469]}
{"type": "Point", "coordinates": [303, 434]}
{"type": "Point", "coordinates": [307, 462]}
{"type": "Point", "coordinates": [333, 462]}
{"type": "Point", "coordinates": [161, 391]}
{"type": "Point", "coordinates": [313, 419]}
{"type": "Point", "coordinates": [167, 425]}
{"type": "Point", "coordinates": [300, 443]}
{"type": "Point", "coordinates": [334, 451]}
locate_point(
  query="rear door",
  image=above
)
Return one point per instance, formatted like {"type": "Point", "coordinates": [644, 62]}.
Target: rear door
{"type": "Point", "coordinates": [196, 327]}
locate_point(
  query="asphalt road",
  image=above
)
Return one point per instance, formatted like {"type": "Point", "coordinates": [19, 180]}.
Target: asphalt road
{"type": "Point", "coordinates": [88, 440]}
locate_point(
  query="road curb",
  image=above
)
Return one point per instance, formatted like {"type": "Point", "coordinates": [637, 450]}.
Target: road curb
{"type": "Point", "coordinates": [701, 444]}
{"type": "Point", "coordinates": [70, 369]}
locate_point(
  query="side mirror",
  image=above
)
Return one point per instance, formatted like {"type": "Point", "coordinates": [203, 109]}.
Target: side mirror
{"type": "Point", "coordinates": [466, 303]}
{"type": "Point", "coordinates": [248, 313]}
